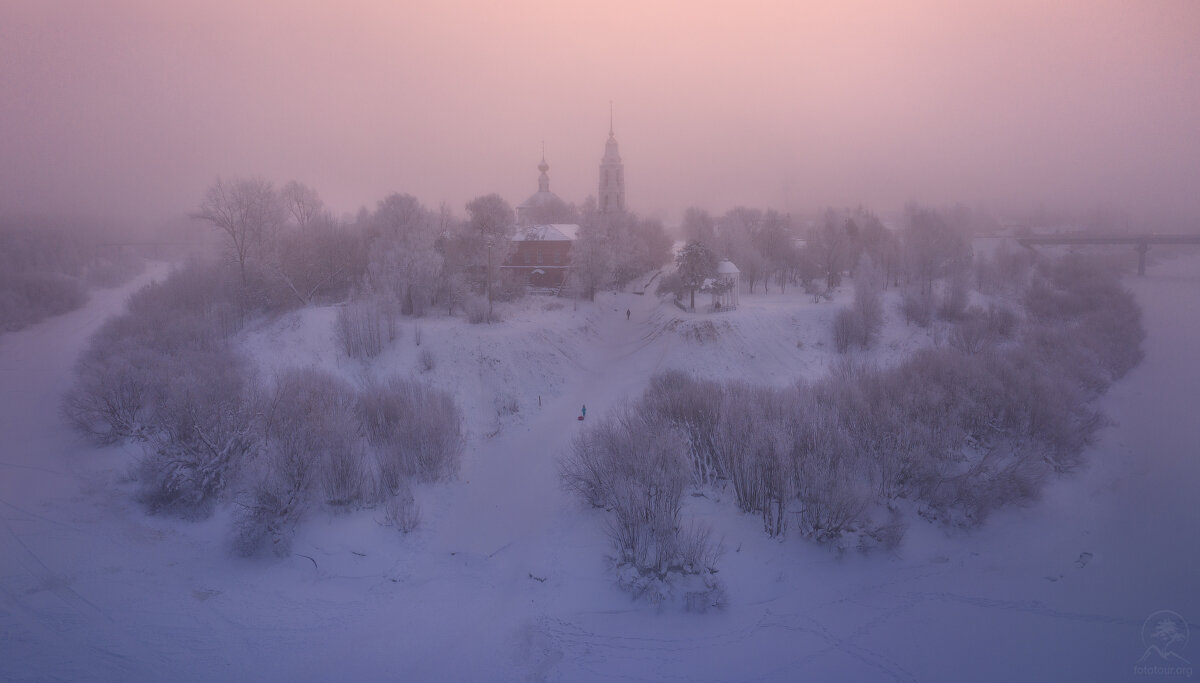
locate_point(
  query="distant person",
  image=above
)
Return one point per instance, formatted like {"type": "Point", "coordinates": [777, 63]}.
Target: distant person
{"type": "Point", "coordinates": [584, 412]}
{"type": "Point", "coordinates": [627, 314]}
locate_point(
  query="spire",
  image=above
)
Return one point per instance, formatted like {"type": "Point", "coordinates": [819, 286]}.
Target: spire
{"type": "Point", "coordinates": [543, 179]}
{"type": "Point", "coordinates": [610, 119]}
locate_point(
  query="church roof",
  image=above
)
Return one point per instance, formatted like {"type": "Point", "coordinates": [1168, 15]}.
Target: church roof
{"type": "Point", "coordinates": [549, 232]}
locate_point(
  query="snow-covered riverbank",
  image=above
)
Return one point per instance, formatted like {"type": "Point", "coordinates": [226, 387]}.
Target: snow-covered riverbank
{"type": "Point", "coordinates": [506, 578]}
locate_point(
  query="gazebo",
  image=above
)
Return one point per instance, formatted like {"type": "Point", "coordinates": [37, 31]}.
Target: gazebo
{"type": "Point", "coordinates": [725, 293]}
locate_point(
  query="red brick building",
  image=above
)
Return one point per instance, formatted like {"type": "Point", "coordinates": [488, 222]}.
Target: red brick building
{"type": "Point", "coordinates": [543, 254]}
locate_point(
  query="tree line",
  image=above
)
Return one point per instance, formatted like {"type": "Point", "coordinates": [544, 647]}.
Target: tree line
{"type": "Point", "coordinates": [287, 248]}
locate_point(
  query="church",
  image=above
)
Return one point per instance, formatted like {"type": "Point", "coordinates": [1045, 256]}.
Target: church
{"type": "Point", "coordinates": [543, 247]}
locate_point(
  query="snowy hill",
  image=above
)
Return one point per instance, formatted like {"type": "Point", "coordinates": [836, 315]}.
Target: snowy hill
{"type": "Point", "coordinates": [506, 578]}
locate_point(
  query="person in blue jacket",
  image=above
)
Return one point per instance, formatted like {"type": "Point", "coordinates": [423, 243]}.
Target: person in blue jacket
{"type": "Point", "coordinates": [584, 413]}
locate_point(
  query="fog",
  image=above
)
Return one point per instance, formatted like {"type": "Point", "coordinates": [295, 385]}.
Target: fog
{"type": "Point", "coordinates": [130, 108]}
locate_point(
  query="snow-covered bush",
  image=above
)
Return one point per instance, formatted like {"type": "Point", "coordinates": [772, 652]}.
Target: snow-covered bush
{"type": "Point", "coordinates": [129, 363]}
{"type": "Point", "coordinates": [113, 388]}
{"type": "Point", "coordinates": [860, 324]}
{"type": "Point", "coordinates": [415, 431]}
{"type": "Point", "coordinates": [868, 298]}
{"type": "Point", "coordinates": [476, 308]}
{"type": "Point", "coordinates": [633, 465]}
{"type": "Point", "coordinates": [831, 482]}
{"type": "Point", "coordinates": [312, 417]}
{"type": "Point", "coordinates": [505, 404]}
{"type": "Point", "coordinates": [694, 406]}
{"type": "Point", "coordinates": [426, 361]}
{"type": "Point", "coordinates": [752, 445]}
{"type": "Point", "coordinates": [979, 328]}
{"type": "Point", "coordinates": [310, 445]}
{"type": "Point", "coordinates": [635, 468]}
{"type": "Point", "coordinates": [955, 297]}
{"type": "Point", "coordinates": [402, 511]}
{"type": "Point", "coordinates": [917, 306]}
{"type": "Point", "coordinates": [848, 329]}
{"type": "Point", "coordinates": [364, 328]}
{"type": "Point", "coordinates": [971, 333]}
{"type": "Point", "coordinates": [200, 432]}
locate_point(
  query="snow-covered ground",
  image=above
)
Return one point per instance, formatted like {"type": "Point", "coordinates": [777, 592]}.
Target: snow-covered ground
{"type": "Point", "coordinates": [506, 578]}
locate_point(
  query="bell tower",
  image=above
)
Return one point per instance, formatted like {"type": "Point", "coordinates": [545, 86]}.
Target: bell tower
{"type": "Point", "coordinates": [612, 175]}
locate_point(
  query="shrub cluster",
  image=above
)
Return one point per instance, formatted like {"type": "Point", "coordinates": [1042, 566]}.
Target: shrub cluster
{"type": "Point", "coordinates": [632, 464]}
{"type": "Point", "coordinates": [960, 431]}
{"type": "Point", "coordinates": [364, 328]}
{"type": "Point", "coordinates": [979, 328]}
{"type": "Point", "coordinates": [323, 440]}
{"type": "Point", "coordinates": [164, 374]}
{"type": "Point", "coordinates": [168, 327]}
{"type": "Point", "coordinates": [861, 324]}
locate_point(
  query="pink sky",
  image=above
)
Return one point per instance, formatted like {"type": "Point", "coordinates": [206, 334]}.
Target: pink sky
{"type": "Point", "coordinates": [131, 108]}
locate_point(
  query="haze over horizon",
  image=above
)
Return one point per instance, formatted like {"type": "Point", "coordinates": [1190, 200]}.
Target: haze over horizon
{"type": "Point", "coordinates": [131, 108]}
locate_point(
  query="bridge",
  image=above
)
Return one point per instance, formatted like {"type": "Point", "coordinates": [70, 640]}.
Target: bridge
{"type": "Point", "coordinates": [1140, 242]}
{"type": "Point", "coordinates": [152, 248]}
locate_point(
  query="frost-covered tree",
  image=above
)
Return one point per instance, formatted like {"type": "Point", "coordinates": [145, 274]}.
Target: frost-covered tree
{"type": "Point", "coordinates": [490, 221]}
{"type": "Point", "coordinates": [405, 261]}
{"type": "Point", "coordinates": [868, 298]}
{"type": "Point", "coordinates": [302, 203]}
{"type": "Point", "coordinates": [776, 245]}
{"type": "Point", "coordinates": [739, 242]}
{"type": "Point", "coordinates": [249, 213]}
{"type": "Point", "coordinates": [591, 258]}
{"type": "Point", "coordinates": [695, 263]}
{"type": "Point", "coordinates": [829, 245]}
{"type": "Point", "coordinates": [932, 247]}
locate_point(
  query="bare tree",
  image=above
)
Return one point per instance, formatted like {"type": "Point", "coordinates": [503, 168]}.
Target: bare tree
{"type": "Point", "coordinates": [302, 203]}
{"type": "Point", "coordinates": [830, 246]}
{"type": "Point", "coordinates": [248, 212]}
{"type": "Point", "coordinates": [739, 242]}
{"type": "Point", "coordinates": [932, 247]}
